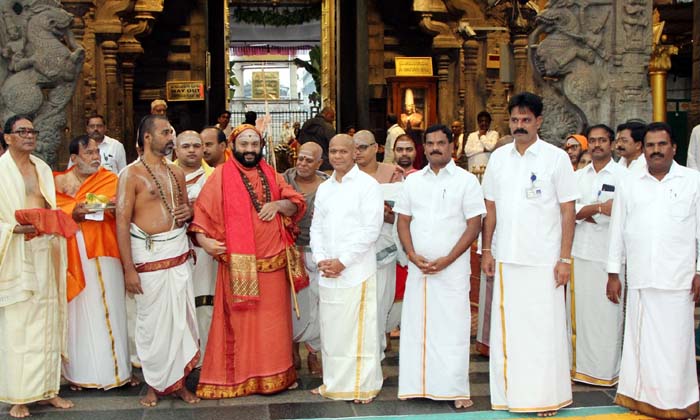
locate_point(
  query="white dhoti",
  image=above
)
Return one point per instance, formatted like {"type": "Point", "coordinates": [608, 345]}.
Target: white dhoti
{"type": "Point", "coordinates": [483, 329]}
{"type": "Point", "coordinates": [386, 290]}
{"type": "Point", "coordinates": [350, 350]}
{"type": "Point", "coordinates": [528, 367]}
{"type": "Point", "coordinates": [434, 346]}
{"type": "Point", "coordinates": [307, 328]}
{"type": "Point", "coordinates": [204, 284]}
{"type": "Point", "coordinates": [657, 374]}
{"type": "Point", "coordinates": [167, 340]}
{"type": "Point", "coordinates": [97, 347]}
{"type": "Point", "coordinates": [31, 331]}
{"type": "Point", "coordinates": [394, 319]}
{"type": "Point", "coordinates": [595, 325]}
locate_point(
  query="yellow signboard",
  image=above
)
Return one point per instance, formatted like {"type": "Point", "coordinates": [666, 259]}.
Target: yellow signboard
{"type": "Point", "coordinates": [270, 88]}
{"type": "Point", "coordinates": [192, 90]}
{"type": "Point", "coordinates": [414, 66]}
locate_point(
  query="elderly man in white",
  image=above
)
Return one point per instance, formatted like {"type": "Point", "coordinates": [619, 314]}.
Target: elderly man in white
{"type": "Point", "coordinates": [348, 216]}
{"type": "Point", "coordinates": [440, 212]}
{"type": "Point", "coordinates": [656, 227]}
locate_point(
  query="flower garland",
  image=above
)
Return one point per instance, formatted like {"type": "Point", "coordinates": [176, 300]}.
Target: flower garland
{"type": "Point", "coordinates": [277, 17]}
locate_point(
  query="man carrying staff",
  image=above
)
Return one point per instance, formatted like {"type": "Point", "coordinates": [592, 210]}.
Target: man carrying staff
{"type": "Point", "coordinates": [241, 219]}
{"type": "Point", "coordinates": [98, 350]}
{"type": "Point", "coordinates": [152, 210]}
{"type": "Point", "coordinates": [32, 279]}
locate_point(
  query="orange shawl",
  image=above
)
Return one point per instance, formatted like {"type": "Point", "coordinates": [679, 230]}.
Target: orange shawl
{"type": "Point", "coordinates": [100, 237]}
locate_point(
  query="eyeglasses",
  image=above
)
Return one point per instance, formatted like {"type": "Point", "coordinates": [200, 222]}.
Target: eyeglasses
{"type": "Point", "coordinates": [364, 147]}
{"type": "Point", "coordinates": [26, 132]}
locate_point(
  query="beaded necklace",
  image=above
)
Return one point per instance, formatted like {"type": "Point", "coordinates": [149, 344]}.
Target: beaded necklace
{"type": "Point", "coordinates": [251, 191]}
{"type": "Point", "coordinates": [171, 177]}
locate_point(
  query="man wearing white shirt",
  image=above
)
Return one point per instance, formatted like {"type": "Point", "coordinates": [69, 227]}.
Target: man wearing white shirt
{"type": "Point", "coordinates": [111, 150]}
{"type": "Point", "coordinates": [223, 123]}
{"type": "Point", "coordinates": [629, 145]}
{"type": "Point", "coordinates": [656, 227]}
{"type": "Point", "coordinates": [529, 189]}
{"type": "Point", "coordinates": [694, 149]}
{"type": "Point", "coordinates": [440, 210]}
{"type": "Point", "coordinates": [392, 133]}
{"type": "Point", "coordinates": [481, 142]}
{"type": "Point", "coordinates": [348, 216]}
{"type": "Point", "coordinates": [595, 324]}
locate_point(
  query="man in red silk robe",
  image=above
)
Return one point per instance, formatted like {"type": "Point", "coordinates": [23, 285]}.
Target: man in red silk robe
{"type": "Point", "coordinates": [239, 218]}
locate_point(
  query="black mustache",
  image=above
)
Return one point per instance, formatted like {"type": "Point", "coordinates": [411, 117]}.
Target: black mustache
{"type": "Point", "coordinates": [520, 131]}
{"type": "Point", "coordinates": [657, 154]}
{"type": "Point", "coordinates": [435, 153]}
{"type": "Point", "coordinates": [597, 149]}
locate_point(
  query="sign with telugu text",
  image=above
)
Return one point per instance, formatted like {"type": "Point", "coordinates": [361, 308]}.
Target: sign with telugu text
{"type": "Point", "coordinates": [267, 89]}
{"type": "Point", "coordinates": [414, 66]}
{"type": "Point", "coordinates": [192, 90]}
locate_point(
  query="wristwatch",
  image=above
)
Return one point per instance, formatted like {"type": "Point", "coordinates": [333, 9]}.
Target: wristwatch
{"type": "Point", "coordinates": [565, 260]}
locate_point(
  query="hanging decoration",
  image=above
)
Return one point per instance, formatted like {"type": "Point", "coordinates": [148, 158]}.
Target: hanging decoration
{"type": "Point", "coordinates": [277, 17]}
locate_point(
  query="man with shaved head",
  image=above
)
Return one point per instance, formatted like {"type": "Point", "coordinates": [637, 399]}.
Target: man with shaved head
{"type": "Point", "coordinates": [189, 152]}
{"type": "Point", "coordinates": [305, 178]}
{"type": "Point", "coordinates": [384, 173]}
{"type": "Point", "coordinates": [346, 224]}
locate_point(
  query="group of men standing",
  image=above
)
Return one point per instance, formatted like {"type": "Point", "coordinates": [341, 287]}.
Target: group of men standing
{"type": "Point", "coordinates": [309, 258]}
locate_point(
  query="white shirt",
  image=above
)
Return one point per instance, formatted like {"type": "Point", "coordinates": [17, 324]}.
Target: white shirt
{"type": "Point", "coordinates": [440, 206]}
{"type": "Point", "coordinates": [478, 148]}
{"type": "Point", "coordinates": [528, 230]}
{"type": "Point", "coordinates": [591, 239]}
{"type": "Point", "coordinates": [637, 165]}
{"type": "Point", "coordinates": [392, 133]}
{"type": "Point", "coordinates": [112, 155]}
{"type": "Point", "coordinates": [655, 224]}
{"type": "Point", "coordinates": [347, 219]}
{"type": "Point", "coordinates": [694, 149]}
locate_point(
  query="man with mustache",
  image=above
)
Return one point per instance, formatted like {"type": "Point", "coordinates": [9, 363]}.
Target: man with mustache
{"type": "Point", "coordinates": [98, 351]}
{"type": "Point", "coordinates": [366, 158]}
{"type": "Point", "coordinates": [405, 153]}
{"type": "Point", "coordinates": [241, 218]}
{"type": "Point", "coordinates": [481, 142]}
{"type": "Point", "coordinates": [440, 210]}
{"type": "Point", "coordinates": [595, 324]}
{"type": "Point", "coordinates": [305, 177]}
{"type": "Point", "coordinates": [111, 150]}
{"type": "Point", "coordinates": [530, 190]}
{"type": "Point", "coordinates": [152, 212]}
{"type": "Point", "coordinates": [629, 146]}
{"type": "Point", "coordinates": [214, 146]}
{"type": "Point", "coordinates": [32, 278]}
{"type": "Point", "coordinates": [655, 227]}
{"type": "Point", "coordinates": [188, 149]}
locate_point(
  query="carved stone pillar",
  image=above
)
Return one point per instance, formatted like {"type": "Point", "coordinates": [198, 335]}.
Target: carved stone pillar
{"type": "Point", "coordinates": [445, 111]}
{"type": "Point", "coordinates": [523, 74]}
{"type": "Point", "coordinates": [471, 105]}
{"type": "Point", "coordinates": [111, 100]}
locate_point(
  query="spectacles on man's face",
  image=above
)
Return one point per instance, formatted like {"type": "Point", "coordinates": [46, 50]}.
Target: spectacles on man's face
{"type": "Point", "coordinates": [26, 132]}
{"type": "Point", "coordinates": [364, 147]}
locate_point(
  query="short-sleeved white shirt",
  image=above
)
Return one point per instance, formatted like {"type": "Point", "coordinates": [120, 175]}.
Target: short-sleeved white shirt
{"type": "Point", "coordinates": [440, 206]}
{"type": "Point", "coordinates": [528, 230]}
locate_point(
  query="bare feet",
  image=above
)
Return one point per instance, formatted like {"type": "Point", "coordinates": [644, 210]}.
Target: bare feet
{"type": "Point", "coordinates": [19, 411]}
{"type": "Point", "coordinates": [315, 367]}
{"type": "Point", "coordinates": [547, 413]}
{"type": "Point", "coordinates": [57, 402]}
{"type": "Point", "coordinates": [134, 381]}
{"type": "Point", "coordinates": [464, 403]}
{"type": "Point", "coordinates": [295, 385]}
{"type": "Point", "coordinates": [151, 398]}
{"type": "Point", "coordinates": [185, 395]}
{"type": "Point", "coordinates": [74, 387]}
{"type": "Point", "coordinates": [388, 343]}
{"type": "Point", "coordinates": [316, 391]}
{"type": "Point", "coordinates": [367, 401]}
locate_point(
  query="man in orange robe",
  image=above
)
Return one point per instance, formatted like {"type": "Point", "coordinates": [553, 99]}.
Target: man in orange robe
{"type": "Point", "coordinates": [97, 347]}
{"type": "Point", "coordinates": [240, 217]}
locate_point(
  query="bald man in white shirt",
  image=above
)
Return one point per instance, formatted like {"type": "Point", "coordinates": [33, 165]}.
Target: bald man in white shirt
{"type": "Point", "coordinates": [656, 227]}
{"type": "Point", "coordinates": [347, 220]}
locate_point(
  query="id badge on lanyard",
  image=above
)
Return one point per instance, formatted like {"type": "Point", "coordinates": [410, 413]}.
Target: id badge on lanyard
{"type": "Point", "coordinates": [534, 192]}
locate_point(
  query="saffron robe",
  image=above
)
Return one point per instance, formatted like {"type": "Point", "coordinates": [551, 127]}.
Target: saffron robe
{"type": "Point", "coordinates": [249, 348]}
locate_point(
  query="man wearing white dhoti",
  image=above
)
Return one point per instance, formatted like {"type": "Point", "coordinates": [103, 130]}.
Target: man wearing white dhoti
{"type": "Point", "coordinates": [345, 226]}
{"type": "Point", "coordinates": [305, 177]}
{"type": "Point", "coordinates": [655, 225]}
{"type": "Point", "coordinates": [189, 152]}
{"type": "Point", "coordinates": [529, 188]}
{"type": "Point", "coordinates": [155, 254]}
{"type": "Point", "coordinates": [595, 324]}
{"type": "Point", "coordinates": [440, 210]}
{"type": "Point", "coordinates": [32, 279]}
{"type": "Point", "coordinates": [97, 347]}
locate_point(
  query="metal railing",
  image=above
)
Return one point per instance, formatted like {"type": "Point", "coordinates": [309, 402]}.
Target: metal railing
{"type": "Point", "coordinates": [274, 131]}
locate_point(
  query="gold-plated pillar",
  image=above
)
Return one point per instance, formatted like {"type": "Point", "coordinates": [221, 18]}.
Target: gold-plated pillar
{"type": "Point", "coordinates": [657, 80]}
{"type": "Point", "coordinates": [659, 65]}
{"type": "Point", "coordinates": [328, 38]}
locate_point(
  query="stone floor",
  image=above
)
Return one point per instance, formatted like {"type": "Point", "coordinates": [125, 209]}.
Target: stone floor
{"type": "Point", "coordinates": [123, 403]}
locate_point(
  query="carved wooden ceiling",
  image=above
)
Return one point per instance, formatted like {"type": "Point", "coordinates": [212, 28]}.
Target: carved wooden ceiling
{"type": "Point", "coordinates": [272, 3]}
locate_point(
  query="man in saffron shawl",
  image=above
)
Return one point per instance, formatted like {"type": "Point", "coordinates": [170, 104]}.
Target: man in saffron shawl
{"type": "Point", "coordinates": [240, 218]}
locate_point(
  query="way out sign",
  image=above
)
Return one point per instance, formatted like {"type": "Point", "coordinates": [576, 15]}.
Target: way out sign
{"type": "Point", "coordinates": [192, 90]}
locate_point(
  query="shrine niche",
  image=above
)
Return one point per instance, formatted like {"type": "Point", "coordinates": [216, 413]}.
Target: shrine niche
{"type": "Point", "coordinates": [39, 67]}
